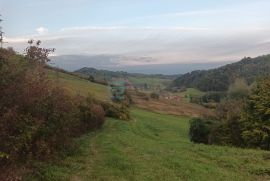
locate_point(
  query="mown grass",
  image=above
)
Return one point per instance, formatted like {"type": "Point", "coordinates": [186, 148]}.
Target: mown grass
{"type": "Point", "coordinates": [79, 86]}
{"type": "Point", "coordinates": [155, 147]}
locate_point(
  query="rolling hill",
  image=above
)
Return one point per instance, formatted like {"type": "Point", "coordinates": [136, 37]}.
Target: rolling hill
{"type": "Point", "coordinates": [219, 79]}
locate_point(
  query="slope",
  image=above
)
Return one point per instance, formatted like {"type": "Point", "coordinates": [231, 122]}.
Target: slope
{"type": "Point", "coordinates": [155, 147]}
{"type": "Point", "coordinates": [79, 86]}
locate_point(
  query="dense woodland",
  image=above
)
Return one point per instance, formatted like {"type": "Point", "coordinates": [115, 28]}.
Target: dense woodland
{"type": "Point", "coordinates": [219, 79]}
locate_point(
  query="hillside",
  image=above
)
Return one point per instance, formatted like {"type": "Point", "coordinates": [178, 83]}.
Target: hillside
{"type": "Point", "coordinates": [154, 147]}
{"type": "Point", "coordinates": [79, 86]}
{"type": "Point", "coordinates": [219, 79]}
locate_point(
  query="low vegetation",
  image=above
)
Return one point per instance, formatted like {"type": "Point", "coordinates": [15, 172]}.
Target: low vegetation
{"type": "Point", "coordinates": [38, 119]}
{"type": "Point", "coordinates": [154, 147]}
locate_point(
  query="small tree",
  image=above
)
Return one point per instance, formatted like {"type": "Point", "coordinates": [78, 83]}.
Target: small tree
{"type": "Point", "coordinates": [35, 54]}
{"type": "Point", "coordinates": [239, 89]}
{"type": "Point", "coordinates": [91, 78]}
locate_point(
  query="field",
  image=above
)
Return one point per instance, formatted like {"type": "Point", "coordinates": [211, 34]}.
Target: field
{"type": "Point", "coordinates": [79, 86]}
{"type": "Point", "coordinates": [190, 92]}
{"type": "Point", "coordinates": [151, 82]}
{"type": "Point", "coordinates": [154, 147]}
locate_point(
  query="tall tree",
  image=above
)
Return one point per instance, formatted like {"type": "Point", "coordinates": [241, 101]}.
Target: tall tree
{"type": "Point", "coordinates": [256, 117]}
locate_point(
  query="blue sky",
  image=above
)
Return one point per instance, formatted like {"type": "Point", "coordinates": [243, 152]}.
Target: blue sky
{"type": "Point", "coordinates": [164, 31]}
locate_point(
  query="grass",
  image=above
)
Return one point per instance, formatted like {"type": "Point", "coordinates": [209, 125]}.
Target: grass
{"type": "Point", "coordinates": [79, 86]}
{"type": "Point", "coordinates": [155, 147]}
{"type": "Point", "coordinates": [190, 92]}
{"type": "Point", "coordinates": [151, 82]}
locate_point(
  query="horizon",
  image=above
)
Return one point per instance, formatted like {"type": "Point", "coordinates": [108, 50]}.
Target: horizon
{"type": "Point", "coordinates": [141, 33]}
{"type": "Point", "coordinates": [70, 63]}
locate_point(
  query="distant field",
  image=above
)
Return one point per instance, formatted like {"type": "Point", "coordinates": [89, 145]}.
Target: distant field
{"type": "Point", "coordinates": [190, 92]}
{"type": "Point", "coordinates": [151, 82]}
{"type": "Point", "coordinates": [80, 86]}
{"type": "Point", "coordinates": [155, 147]}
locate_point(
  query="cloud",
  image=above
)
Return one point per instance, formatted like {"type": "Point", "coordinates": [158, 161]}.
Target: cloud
{"type": "Point", "coordinates": [41, 30]}
{"type": "Point", "coordinates": [154, 45]}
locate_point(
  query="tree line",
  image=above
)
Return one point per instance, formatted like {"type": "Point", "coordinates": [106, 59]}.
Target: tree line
{"type": "Point", "coordinates": [220, 79]}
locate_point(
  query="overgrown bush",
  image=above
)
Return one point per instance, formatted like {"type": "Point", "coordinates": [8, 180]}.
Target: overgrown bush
{"type": "Point", "coordinates": [38, 118]}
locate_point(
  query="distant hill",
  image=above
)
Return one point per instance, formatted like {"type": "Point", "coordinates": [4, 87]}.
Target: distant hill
{"type": "Point", "coordinates": [119, 63]}
{"type": "Point", "coordinates": [107, 74]}
{"type": "Point", "coordinates": [219, 79]}
{"type": "Point", "coordinates": [151, 81]}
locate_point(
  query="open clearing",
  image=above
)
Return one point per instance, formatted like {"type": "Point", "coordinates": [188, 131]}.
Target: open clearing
{"type": "Point", "coordinates": [155, 147]}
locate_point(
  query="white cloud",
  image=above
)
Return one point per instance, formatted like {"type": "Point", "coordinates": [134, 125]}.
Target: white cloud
{"type": "Point", "coordinates": [41, 30]}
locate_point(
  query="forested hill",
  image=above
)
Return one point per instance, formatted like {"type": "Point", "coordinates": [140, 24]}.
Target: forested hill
{"type": "Point", "coordinates": [219, 79]}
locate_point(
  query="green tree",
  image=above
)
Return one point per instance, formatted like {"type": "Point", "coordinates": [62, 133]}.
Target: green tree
{"type": "Point", "coordinates": [239, 89]}
{"type": "Point", "coordinates": [256, 117]}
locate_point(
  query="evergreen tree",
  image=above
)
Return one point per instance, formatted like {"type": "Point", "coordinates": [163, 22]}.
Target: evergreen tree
{"type": "Point", "coordinates": [256, 117]}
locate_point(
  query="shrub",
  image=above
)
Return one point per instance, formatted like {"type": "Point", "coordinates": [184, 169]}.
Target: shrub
{"type": "Point", "coordinates": [92, 115]}
{"type": "Point", "coordinates": [154, 95]}
{"type": "Point", "coordinates": [199, 130]}
{"type": "Point", "coordinates": [116, 111]}
{"type": "Point", "coordinates": [213, 97]}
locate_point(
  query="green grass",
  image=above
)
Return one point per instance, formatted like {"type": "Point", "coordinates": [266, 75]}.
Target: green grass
{"type": "Point", "coordinates": [79, 86]}
{"type": "Point", "coordinates": [190, 92]}
{"type": "Point", "coordinates": [155, 147]}
{"type": "Point", "coordinates": [151, 82]}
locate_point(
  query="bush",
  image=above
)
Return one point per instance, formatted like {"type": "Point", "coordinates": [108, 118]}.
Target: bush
{"type": "Point", "coordinates": [199, 130]}
{"type": "Point", "coordinates": [92, 115]}
{"type": "Point", "coordinates": [213, 97]}
{"type": "Point", "coordinates": [154, 95]}
{"type": "Point", "coordinates": [116, 111]}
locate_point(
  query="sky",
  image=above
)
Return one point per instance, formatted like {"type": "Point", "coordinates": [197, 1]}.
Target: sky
{"type": "Point", "coordinates": [142, 32]}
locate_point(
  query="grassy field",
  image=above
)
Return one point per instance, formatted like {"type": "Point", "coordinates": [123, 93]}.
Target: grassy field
{"type": "Point", "coordinates": [155, 147]}
{"type": "Point", "coordinates": [80, 86]}
{"type": "Point", "coordinates": [151, 82]}
{"type": "Point", "coordinates": [190, 92]}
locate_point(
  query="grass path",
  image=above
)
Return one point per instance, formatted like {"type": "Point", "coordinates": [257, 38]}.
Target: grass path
{"type": "Point", "coordinates": [156, 147]}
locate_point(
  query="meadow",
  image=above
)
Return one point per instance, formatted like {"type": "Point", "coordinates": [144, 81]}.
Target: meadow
{"type": "Point", "coordinates": [154, 147]}
{"type": "Point", "coordinates": [152, 82]}
{"type": "Point", "coordinates": [80, 86]}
